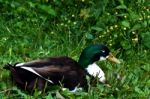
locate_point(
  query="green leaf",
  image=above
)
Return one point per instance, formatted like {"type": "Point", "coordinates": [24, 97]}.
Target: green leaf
{"type": "Point", "coordinates": [18, 24]}
{"type": "Point", "coordinates": [125, 23]}
{"type": "Point", "coordinates": [145, 24]}
{"type": "Point", "coordinates": [89, 36]}
{"type": "Point", "coordinates": [31, 4]}
{"type": "Point", "coordinates": [137, 89]}
{"type": "Point", "coordinates": [125, 45]}
{"type": "Point", "coordinates": [146, 67]}
{"type": "Point", "coordinates": [97, 28]}
{"type": "Point", "coordinates": [148, 83]}
{"type": "Point", "coordinates": [133, 15]}
{"type": "Point", "coordinates": [146, 39]}
{"type": "Point", "coordinates": [121, 2]}
{"type": "Point", "coordinates": [49, 96]}
{"type": "Point", "coordinates": [136, 27]}
{"type": "Point", "coordinates": [48, 9]}
{"type": "Point", "coordinates": [121, 7]}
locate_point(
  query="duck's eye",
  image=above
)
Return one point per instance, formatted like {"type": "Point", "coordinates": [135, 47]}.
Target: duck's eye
{"type": "Point", "coordinates": [103, 51]}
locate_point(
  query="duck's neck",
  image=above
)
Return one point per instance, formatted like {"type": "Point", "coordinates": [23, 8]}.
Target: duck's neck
{"type": "Point", "coordinates": [95, 71]}
{"type": "Point", "coordinates": [84, 62]}
{"type": "Point", "coordinates": [92, 68]}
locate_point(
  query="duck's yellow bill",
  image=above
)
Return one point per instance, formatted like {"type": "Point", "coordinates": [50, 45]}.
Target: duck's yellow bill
{"type": "Point", "coordinates": [113, 59]}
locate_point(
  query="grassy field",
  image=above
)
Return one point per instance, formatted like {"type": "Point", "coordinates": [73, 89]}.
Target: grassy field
{"type": "Point", "coordinates": [30, 30]}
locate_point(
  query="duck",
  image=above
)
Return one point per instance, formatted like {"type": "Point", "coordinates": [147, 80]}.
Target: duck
{"type": "Point", "coordinates": [62, 71]}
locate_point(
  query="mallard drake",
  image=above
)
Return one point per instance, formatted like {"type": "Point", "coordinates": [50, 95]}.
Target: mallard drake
{"type": "Point", "coordinates": [61, 70]}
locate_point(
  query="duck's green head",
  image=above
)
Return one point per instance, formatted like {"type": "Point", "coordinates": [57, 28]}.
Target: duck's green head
{"type": "Point", "coordinates": [93, 53]}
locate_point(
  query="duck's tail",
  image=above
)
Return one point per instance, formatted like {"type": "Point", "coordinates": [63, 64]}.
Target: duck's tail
{"type": "Point", "coordinates": [8, 66]}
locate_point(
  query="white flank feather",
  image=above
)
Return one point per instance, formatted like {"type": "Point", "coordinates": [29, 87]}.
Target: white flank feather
{"type": "Point", "coordinates": [33, 71]}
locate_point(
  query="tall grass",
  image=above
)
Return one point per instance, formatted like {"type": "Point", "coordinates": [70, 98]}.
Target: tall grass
{"type": "Point", "coordinates": [30, 30]}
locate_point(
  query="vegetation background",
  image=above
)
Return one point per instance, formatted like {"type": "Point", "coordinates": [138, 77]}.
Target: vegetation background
{"type": "Point", "coordinates": [30, 29]}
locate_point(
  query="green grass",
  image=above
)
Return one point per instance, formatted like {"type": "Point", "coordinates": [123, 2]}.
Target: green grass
{"type": "Point", "coordinates": [30, 30]}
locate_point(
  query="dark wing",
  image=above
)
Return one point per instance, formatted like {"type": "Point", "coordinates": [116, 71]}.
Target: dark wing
{"type": "Point", "coordinates": [69, 76]}
{"type": "Point", "coordinates": [55, 70]}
